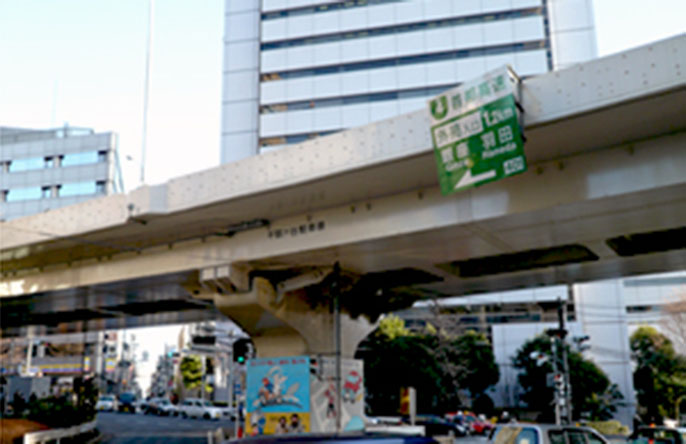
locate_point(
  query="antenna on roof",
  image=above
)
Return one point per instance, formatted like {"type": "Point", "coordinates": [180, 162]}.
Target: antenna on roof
{"type": "Point", "coordinates": [146, 85]}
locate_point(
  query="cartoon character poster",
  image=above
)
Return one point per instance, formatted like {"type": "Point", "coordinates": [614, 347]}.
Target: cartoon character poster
{"type": "Point", "coordinates": [259, 423]}
{"type": "Point", "coordinates": [278, 395]}
{"type": "Point", "coordinates": [324, 397]}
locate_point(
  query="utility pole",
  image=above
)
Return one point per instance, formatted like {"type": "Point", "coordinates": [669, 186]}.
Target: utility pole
{"type": "Point", "coordinates": [565, 389]}
{"type": "Point", "coordinates": [29, 351]}
{"type": "Point", "coordinates": [146, 87]}
{"type": "Point", "coordinates": [561, 377]}
{"type": "Point", "coordinates": [565, 360]}
{"type": "Point", "coordinates": [336, 293]}
{"type": "Point", "coordinates": [556, 372]}
{"type": "Point", "coordinates": [230, 379]}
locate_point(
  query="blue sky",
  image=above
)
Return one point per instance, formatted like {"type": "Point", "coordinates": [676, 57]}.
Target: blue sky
{"type": "Point", "coordinates": [82, 62]}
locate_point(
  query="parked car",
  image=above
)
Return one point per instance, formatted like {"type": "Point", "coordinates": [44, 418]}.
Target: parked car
{"type": "Point", "coordinates": [199, 408]}
{"type": "Point", "coordinates": [516, 433]}
{"type": "Point", "coordinates": [658, 435]}
{"type": "Point", "coordinates": [106, 403]}
{"type": "Point", "coordinates": [227, 411]}
{"type": "Point", "coordinates": [477, 425]}
{"type": "Point", "coordinates": [127, 402]}
{"type": "Point", "coordinates": [437, 426]}
{"type": "Point", "coordinates": [162, 407]}
{"type": "Point", "coordinates": [141, 405]}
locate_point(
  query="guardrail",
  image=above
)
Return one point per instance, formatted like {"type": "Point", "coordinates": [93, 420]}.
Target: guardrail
{"type": "Point", "coordinates": [57, 434]}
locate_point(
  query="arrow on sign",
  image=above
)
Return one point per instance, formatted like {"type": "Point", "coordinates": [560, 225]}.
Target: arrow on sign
{"type": "Point", "coordinates": [468, 179]}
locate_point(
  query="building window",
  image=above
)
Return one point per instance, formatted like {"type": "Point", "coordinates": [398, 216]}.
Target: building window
{"type": "Point", "coordinates": [406, 60]}
{"type": "Point", "coordinates": [642, 308]}
{"type": "Point", "coordinates": [102, 156]}
{"type": "Point", "coordinates": [101, 187]}
{"type": "Point", "coordinates": [48, 162]}
{"type": "Point", "coordinates": [322, 8]}
{"type": "Point", "coordinates": [77, 189]}
{"type": "Point", "coordinates": [46, 192]}
{"type": "Point", "coordinates": [33, 163]}
{"type": "Point", "coordinates": [19, 194]}
{"type": "Point", "coordinates": [402, 28]}
{"type": "Point", "coordinates": [3, 195]}
{"type": "Point", "coordinates": [294, 138]}
{"type": "Point", "coordinates": [75, 159]}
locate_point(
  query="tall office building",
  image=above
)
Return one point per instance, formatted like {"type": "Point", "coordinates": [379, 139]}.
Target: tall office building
{"type": "Point", "coordinates": [297, 69]}
{"type": "Point", "coordinates": [42, 170]}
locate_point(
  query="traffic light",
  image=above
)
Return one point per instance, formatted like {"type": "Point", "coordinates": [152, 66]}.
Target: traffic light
{"type": "Point", "coordinates": [241, 350]}
{"type": "Point", "coordinates": [579, 341]}
{"type": "Point", "coordinates": [559, 332]}
{"type": "Point", "coordinates": [540, 358]}
{"type": "Point", "coordinates": [559, 381]}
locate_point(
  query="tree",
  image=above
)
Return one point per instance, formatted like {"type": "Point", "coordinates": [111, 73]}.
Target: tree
{"type": "Point", "coordinates": [477, 369]}
{"type": "Point", "coordinates": [467, 358]}
{"type": "Point", "coordinates": [592, 393]}
{"type": "Point", "coordinates": [438, 366]}
{"type": "Point", "coordinates": [392, 327]}
{"type": "Point", "coordinates": [660, 375]}
{"type": "Point", "coordinates": [674, 321]}
{"type": "Point", "coordinates": [191, 371]}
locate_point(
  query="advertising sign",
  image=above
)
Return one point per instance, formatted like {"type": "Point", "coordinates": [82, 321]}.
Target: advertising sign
{"type": "Point", "coordinates": [325, 400]}
{"type": "Point", "coordinates": [278, 395]}
{"type": "Point", "coordinates": [475, 132]}
{"type": "Point", "coordinates": [260, 423]}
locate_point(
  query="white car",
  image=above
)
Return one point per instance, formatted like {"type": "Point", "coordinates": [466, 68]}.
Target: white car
{"type": "Point", "coordinates": [198, 408]}
{"type": "Point", "coordinates": [160, 406]}
{"type": "Point", "coordinates": [107, 403]}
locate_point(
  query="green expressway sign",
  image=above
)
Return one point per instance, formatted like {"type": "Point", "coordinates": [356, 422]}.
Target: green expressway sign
{"type": "Point", "coordinates": [475, 132]}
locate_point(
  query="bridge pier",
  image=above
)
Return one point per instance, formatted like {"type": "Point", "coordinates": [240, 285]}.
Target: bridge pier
{"type": "Point", "coordinates": [295, 340]}
{"type": "Point", "coordinates": [287, 324]}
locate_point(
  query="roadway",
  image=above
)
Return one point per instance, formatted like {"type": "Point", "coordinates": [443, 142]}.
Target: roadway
{"type": "Point", "coordinates": [123, 428]}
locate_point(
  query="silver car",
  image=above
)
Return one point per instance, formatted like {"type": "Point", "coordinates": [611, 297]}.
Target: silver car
{"type": "Point", "coordinates": [517, 433]}
{"type": "Point", "coordinates": [198, 408]}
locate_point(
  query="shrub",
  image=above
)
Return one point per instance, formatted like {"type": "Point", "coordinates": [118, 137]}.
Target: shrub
{"type": "Point", "coordinates": [609, 427]}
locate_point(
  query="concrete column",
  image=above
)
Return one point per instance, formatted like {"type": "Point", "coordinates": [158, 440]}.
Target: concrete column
{"type": "Point", "coordinates": [286, 324]}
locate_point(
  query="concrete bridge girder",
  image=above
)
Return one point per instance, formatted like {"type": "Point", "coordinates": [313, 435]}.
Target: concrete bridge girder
{"type": "Point", "coordinates": [585, 201]}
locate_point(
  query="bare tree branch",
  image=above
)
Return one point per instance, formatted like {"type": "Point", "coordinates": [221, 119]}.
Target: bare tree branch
{"type": "Point", "coordinates": [674, 321]}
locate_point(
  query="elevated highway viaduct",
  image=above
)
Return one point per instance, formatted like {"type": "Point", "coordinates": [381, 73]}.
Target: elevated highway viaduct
{"type": "Point", "coordinates": [604, 196]}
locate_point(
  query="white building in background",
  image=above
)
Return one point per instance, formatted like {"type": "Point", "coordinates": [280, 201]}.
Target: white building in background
{"type": "Point", "coordinates": [297, 69]}
{"type": "Point", "coordinates": [41, 170]}
{"type": "Point", "coordinates": [607, 311]}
